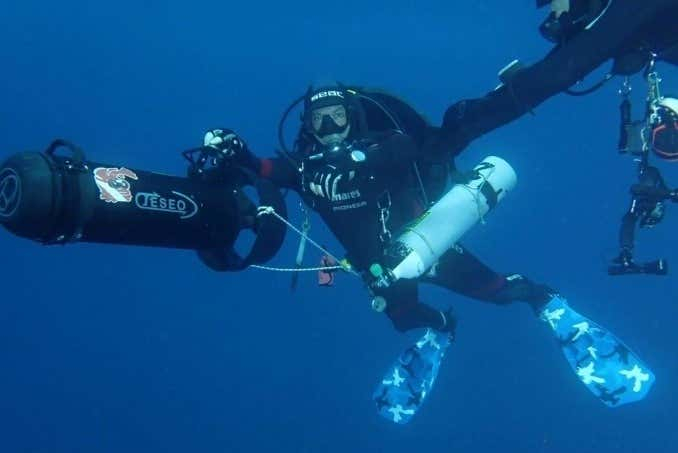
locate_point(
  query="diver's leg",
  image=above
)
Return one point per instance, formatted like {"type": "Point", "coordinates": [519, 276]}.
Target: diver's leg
{"type": "Point", "coordinates": [460, 271]}
{"type": "Point", "coordinates": [608, 368]}
{"type": "Point", "coordinates": [406, 312]}
{"type": "Point", "coordinates": [410, 378]}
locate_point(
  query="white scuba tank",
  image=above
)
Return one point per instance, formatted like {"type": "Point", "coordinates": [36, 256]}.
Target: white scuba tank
{"type": "Point", "coordinates": [427, 238]}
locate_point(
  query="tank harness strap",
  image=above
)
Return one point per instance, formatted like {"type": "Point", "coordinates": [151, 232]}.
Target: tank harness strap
{"type": "Point", "coordinates": [490, 194]}
{"type": "Point", "coordinates": [463, 178]}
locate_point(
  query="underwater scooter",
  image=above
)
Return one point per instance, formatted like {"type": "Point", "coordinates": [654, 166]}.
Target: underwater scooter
{"type": "Point", "coordinates": [58, 197]}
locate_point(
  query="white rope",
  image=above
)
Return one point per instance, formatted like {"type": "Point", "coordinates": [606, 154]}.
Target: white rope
{"type": "Point", "coordinates": [268, 210]}
{"type": "Point", "coordinates": [296, 269]}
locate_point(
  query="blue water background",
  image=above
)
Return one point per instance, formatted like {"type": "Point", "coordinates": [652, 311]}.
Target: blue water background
{"type": "Point", "coordinates": [123, 349]}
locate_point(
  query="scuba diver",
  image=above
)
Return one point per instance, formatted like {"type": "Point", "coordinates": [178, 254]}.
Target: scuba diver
{"type": "Point", "coordinates": [587, 33]}
{"type": "Point", "coordinates": [363, 161]}
{"type": "Point", "coordinates": [367, 184]}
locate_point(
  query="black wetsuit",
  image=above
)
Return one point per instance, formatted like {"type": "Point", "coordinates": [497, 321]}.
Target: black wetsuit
{"type": "Point", "coordinates": [628, 27]}
{"type": "Point", "coordinates": [349, 195]}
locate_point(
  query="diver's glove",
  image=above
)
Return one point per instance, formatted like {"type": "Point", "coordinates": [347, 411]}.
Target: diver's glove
{"type": "Point", "coordinates": [231, 148]}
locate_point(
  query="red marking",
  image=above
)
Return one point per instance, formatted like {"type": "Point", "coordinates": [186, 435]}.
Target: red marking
{"type": "Point", "coordinates": [266, 168]}
{"type": "Point", "coordinates": [113, 187]}
{"type": "Point", "coordinates": [326, 277]}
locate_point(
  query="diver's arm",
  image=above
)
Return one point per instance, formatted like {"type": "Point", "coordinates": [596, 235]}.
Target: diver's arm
{"type": "Point", "coordinates": [468, 119]}
{"type": "Point", "coordinates": [234, 149]}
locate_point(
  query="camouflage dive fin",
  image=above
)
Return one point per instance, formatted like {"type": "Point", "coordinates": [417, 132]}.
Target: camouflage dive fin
{"type": "Point", "coordinates": [601, 361]}
{"type": "Point", "coordinates": [409, 380]}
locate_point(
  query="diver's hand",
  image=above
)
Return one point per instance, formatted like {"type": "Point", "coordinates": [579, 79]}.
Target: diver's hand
{"type": "Point", "coordinates": [231, 147]}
